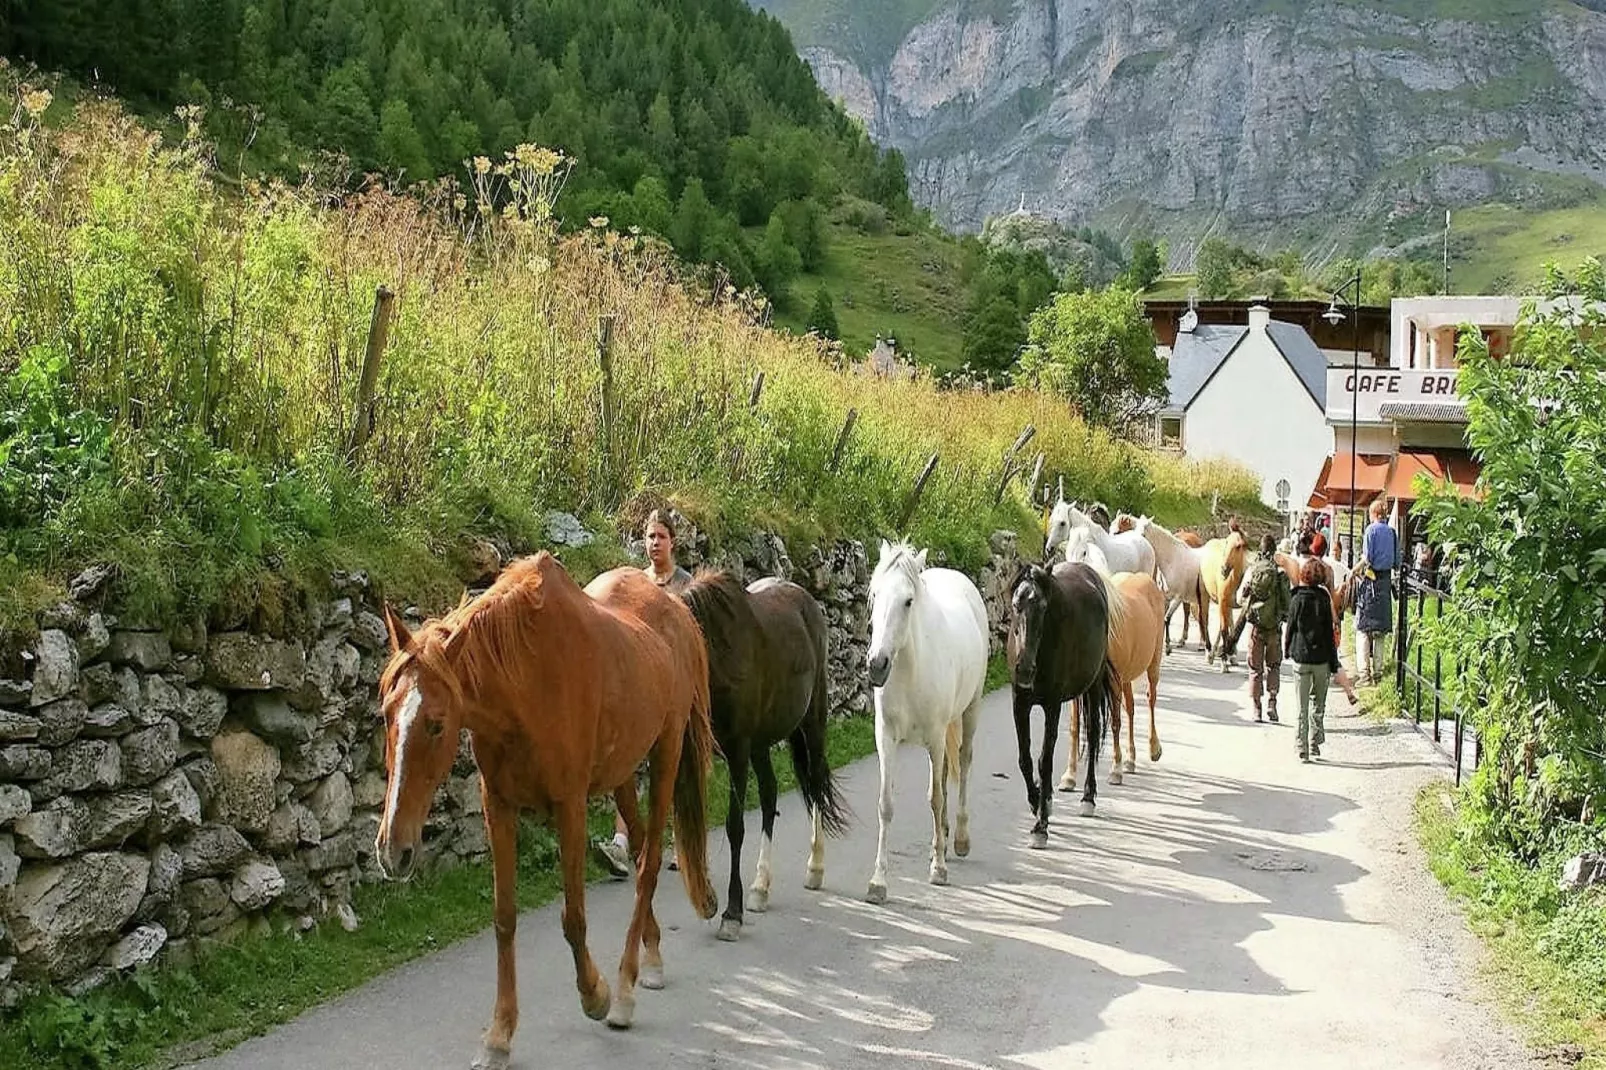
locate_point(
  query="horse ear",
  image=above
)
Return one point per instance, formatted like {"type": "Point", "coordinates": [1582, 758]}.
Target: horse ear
{"type": "Point", "coordinates": [400, 637]}
{"type": "Point", "coordinates": [920, 559]}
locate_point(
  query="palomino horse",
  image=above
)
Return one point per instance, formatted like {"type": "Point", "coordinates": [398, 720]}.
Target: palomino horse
{"type": "Point", "coordinates": [1221, 572]}
{"type": "Point", "coordinates": [767, 678]}
{"type": "Point", "coordinates": [1127, 552]}
{"type": "Point", "coordinates": [1136, 649]}
{"type": "Point", "coordinates": [1179, 559]}
{"type": "Point", "coordinates": [928, 666]}
{"type": "Point", "coordinates": [1060, 628]}
{"type": "Point", "coordinates": [563, 691]}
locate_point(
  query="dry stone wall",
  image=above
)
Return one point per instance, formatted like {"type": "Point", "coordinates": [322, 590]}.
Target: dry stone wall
{"type": "Point", "coordinates": [163, 790]}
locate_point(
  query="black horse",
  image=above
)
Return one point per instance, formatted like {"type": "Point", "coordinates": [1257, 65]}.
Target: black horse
{"type": "Point", "coordinates": [767, 678]}
{"type": "Point", "coordinates": [1059, 633]}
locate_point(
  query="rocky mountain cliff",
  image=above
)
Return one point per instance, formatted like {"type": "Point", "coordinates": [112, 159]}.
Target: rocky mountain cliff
{"type": "Point", "coordinates": [1333, 124]}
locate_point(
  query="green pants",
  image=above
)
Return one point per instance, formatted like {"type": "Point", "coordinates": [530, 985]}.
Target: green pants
{"type": "Point", "coordinates": [1312, 681]}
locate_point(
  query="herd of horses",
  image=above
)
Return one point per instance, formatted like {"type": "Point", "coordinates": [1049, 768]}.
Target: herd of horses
{"type": "Point", "coordinates": [564, 691]}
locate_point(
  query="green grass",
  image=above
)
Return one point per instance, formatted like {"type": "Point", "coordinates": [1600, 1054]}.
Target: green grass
{"type": "Point", "coordinates": [167, 1016]}
{"type": "Point", "coordinates": [1547, 965]}
{"type": "Point", "coordinates": [903, 286]}
{"type": "Point", "coordinates": [1507, 248]}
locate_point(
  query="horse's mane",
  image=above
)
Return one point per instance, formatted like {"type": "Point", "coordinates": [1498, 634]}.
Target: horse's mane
{"type": "Point", "coordinates": [1149, 525]}
{"type": "Point", "coordinates": [1116, 601]}
{"type": "Point", "coordinates": [482, 638]}
{"type": "Point", "coordinates": [1081, 544]}
{"type": "Point", "coordinates": [902, 557]}
{"type": "Point", "coordinates": [718, 601]}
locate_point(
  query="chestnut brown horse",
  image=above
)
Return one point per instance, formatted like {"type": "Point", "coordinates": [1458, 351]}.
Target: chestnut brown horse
{"type": "Point", "coordinates": [563, 691]}
{"type": "Point", "coordinates": [767, 667]}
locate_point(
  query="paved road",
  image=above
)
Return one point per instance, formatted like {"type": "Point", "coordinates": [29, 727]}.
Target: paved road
{"type": "Point", "coordinates": [1228, 908]}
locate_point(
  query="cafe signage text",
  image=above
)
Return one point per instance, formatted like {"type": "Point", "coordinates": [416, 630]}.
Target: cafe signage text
{"type": "Point", "coordinates": [1374, 386]}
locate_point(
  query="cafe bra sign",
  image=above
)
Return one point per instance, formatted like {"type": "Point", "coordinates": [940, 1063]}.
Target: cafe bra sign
{"type": "Point", "coordinates": [1375, 386]}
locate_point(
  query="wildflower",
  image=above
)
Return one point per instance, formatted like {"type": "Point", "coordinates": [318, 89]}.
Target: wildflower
{"type": "Point", "coordinates": [35, 101]}
{"type": "Point", "coordinates": [482, 166]}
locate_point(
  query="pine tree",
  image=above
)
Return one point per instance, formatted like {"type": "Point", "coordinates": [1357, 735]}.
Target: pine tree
{"type": "Point", "coordinates": [822, 317]}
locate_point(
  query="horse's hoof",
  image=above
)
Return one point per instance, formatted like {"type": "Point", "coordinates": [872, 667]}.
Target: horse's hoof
{"type": "Point", "coordinates": [962, 846]}
{"type": "Point", "coordinates": [1154, 755]}
{"type": "Point", "coordinates": [758, 900]}
{"type": "Point", "coordinates": [1039, 841]}
{"type": "Point", "coordinates": [729, 930]}
{"type": "Point", "coordinates": [876, 894]}
{"type": "Point", "coordinates": [1067, 783]}
{"type": "Point", "coordinates": [939, 876]}
{"type": "Point", "coordinates": [815, 880]}
{"type": "Point", "coordinates": [596, 1005]}
{"type": "Point", "coordinates": [651, 976]}
{"type": "Point", "coordinates": [1130, 766]}
{"type": "Point", "coordinates": [491, 1059]}
{"type": "Point", "coordinates": [1087, 809]}
{"type": "Point", "coordinates": [622, 1011]}
{"type": "Point", "coordinates": [1115, 776]}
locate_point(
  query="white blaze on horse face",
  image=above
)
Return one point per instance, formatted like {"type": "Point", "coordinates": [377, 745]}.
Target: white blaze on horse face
{"type": "Point", "coordinates": [406, 718]}
{"type": "Point", "coordinates": [889, 614]}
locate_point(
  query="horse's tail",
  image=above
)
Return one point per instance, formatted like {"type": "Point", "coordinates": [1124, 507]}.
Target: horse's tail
{"type": "Point", "coordinates": [691, 785]}
{"type": "Point", "coordinates": [1099, 705]}
{"type": "Point", "coordinates": [815, 777]}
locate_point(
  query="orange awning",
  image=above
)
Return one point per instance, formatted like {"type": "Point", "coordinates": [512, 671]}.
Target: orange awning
{"type": "Point", "coordinates": [1371, 476]}
{"type": "Point", "coordinates": [1455, 467]}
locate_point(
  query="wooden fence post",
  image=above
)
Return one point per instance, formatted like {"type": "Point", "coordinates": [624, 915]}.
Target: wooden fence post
{"type": "Point", "coordinates": [1037, 475]}
{"type": "Point", "coordinates": [842, 440]}
{"type": "Point", "coordinates": [1024, 437]}
{"type": "Point", "coordinates": [914, 497]}
{"type": "Point", "coordinates": [1003, 482]}
{"type": "Point", "coordinates": [605, 364]}
{"type": "Point", "coordinates": [362, 424]}
{"type": "Point", "coordinates": [758, 388]}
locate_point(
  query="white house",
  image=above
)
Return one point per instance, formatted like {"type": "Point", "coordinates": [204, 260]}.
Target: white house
{"type": "Point", "coordinates": [1256, 395]}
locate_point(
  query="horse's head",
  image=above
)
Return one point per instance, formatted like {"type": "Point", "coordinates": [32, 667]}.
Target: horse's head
{"type": "Point", "coordinates": [1080, 546]}
{"type": "Point", "coordinates": [1059, 526]}
{"type": "Point", "coordinates": [422, 703]}
{"type": "Point", "coordinates": [1123, 522]}
{"type": "Point", "coordinates": [893, 588]}
{"type": "Point", "coordinates": [1099, 513]}
{"type": "Point", "coordinates": [1236, 558]}
{"type": "Point", "coordinates": [1028, 605]}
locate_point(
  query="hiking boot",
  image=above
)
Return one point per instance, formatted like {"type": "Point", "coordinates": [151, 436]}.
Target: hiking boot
{"type": "Point", "coordinates": [1315, 750]}
{"type": "Point", "coordinates": [1271, 713]}
{"type": "Point", "coordinates": [1304, 755]}
{"type": "Point", "coordinates": [614, 859]}
{"type": "Point", "coordinates": [1258, 716]}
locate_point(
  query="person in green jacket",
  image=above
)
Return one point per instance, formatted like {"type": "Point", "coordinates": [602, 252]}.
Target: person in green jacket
{"type": "Point", "coordinates": [1269, 596]}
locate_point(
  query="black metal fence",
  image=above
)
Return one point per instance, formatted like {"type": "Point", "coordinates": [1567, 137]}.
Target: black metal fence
{"type": "Point", "coordinates": [1423, 677]}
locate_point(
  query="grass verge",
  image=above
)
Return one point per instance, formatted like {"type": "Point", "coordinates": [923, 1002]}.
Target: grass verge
{"type": "Point", "coordinates": [1547, 964]}
{"type": "Point", "coordinates": [160, 1018]}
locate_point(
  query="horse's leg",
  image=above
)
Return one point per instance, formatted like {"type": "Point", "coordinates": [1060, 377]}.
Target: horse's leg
{"type": "Point", "coordinates": [814, 735]}
{"type": "Point", "coordinates": [643, 926]}
{"type": "Point", "coordinates": [886, 751]}
{"type": "Point", "coordinates": [502, 828]}
{"type": "Point", "coordinates": [1224, 625]}
{"type": "Point", "coordinates": [758, 897]}
{"type": "Point", "coordinates": [652, 966]}
{"type": "Point", "coordinates": [967, 740]}
{"type": "Point", "coordinates": [1045, 769]}
{"type": "Point", "coordinates": [736, 761]}
{"type": "Point", "coordinates": [1023, 743]}
{"type": "Point", "coordinates": [1130, 765]}
{"type": "Point", "coordinates": [1068, 781]}
{"type": "Point", "coordinates": [1115, 750]}
{"type": "Point", "coordinates": [1154, 728]}
{"type": "Point", "coordinates": [570, 819]}
{"type": "Point", "coordinates": [937, 795]}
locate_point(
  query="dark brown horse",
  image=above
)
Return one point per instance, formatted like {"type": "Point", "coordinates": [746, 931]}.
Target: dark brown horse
{"type": "Point", "coordinates": [767, 677]}
{"type": "Point", "coordinates": [1061, 626]}
{"type": "Point", "coordinates": [563, 691]}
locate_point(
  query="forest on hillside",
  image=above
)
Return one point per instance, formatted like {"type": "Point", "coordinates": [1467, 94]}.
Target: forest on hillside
{"type": "Point", "coordinates": [689, 119]}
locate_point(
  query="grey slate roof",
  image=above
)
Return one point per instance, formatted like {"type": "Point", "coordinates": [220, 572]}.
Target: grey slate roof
{"type": "Point", "coordinates": [1195, 358]}
{"type": "Point", "coordinates": [1198, 354]}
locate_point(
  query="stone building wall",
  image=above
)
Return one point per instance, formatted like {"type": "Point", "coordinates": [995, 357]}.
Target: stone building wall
{"type": "Point", "coordinates": [164, 790]}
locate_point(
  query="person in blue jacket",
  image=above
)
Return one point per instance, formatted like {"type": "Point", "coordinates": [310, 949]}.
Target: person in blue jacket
{"type": "Point", "coordinates": [1374, 603]}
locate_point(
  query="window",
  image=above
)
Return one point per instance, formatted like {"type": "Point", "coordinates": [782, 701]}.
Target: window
{"type": "Point", "coordinates": [1171, 432]}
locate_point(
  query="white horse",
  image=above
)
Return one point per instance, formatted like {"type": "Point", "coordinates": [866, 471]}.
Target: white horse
{"type": "Point", "coordinates": [1127, 552]}
{"type": "Point", "coordinates": [928, 666]}
{"type": "Point", "coordinates": [1178, 565]}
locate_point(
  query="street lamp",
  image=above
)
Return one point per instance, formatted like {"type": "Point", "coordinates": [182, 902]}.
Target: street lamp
{"type": "Point", "coordinates": [1334, 316]}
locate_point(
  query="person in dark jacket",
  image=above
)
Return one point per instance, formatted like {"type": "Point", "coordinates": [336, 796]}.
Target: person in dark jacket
{"type": "Point", "coordinates": [1308, 643]}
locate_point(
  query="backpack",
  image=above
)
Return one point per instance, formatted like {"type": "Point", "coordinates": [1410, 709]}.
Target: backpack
{"type": "Point", "coordinates": [1267, 600]}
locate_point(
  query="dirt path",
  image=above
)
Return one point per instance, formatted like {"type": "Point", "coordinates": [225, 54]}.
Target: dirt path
{"type": "Point", "coordinates": [1229, 907]}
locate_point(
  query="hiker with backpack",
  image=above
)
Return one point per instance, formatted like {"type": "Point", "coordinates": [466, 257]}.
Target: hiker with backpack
{"type": "Point", "coordinates": [1266, 607]}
